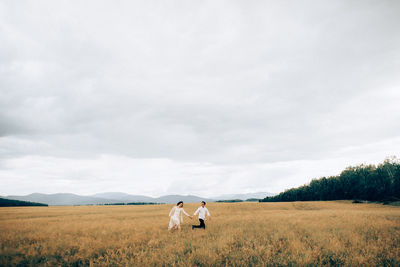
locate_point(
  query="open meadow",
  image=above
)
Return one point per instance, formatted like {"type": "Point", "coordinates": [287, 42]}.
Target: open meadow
{"type": "Point", "coordinates": [239, 234]}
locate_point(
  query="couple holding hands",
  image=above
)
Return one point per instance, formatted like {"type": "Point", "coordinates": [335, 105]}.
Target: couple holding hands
{"type": "Point", "coordinates": [176, 216]}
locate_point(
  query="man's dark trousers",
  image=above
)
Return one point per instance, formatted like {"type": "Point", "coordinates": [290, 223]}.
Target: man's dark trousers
{"type": "Point", "coordinates": [202, 224]}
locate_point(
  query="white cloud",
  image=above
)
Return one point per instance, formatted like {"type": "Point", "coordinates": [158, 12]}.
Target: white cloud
{"type": "Point", "coordinates": [242, 96]}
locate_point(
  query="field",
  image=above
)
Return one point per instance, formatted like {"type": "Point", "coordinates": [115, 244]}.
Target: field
{"type": "Point", "coordinates": [239, 234]}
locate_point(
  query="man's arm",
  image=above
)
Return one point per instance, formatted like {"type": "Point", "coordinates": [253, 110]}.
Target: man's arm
{"type": "Point", "coordinates": [197, 211]}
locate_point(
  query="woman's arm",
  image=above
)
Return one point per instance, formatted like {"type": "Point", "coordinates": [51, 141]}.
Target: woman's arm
{"type": "Point", "coordinates": [172, 211]}
{"type": "Point", "coordinates": [187, 214]}
{"type": "Point", "coordinates": [184, 212]}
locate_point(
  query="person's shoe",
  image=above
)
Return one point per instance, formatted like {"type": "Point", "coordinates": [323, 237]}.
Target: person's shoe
{"type": "Point", "coordinates": [192, 227]}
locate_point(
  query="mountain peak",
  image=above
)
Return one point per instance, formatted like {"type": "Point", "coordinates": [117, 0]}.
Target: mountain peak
{"type": "Point", "coordinates": [118, 197]}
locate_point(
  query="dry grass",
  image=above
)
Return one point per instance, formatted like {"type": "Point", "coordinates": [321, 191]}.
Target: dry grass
{"type": "Point", "coordinates": [240, 234]}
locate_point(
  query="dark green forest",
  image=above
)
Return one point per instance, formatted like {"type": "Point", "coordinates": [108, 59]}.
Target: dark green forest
{"type": "Point", "coordinates": [15, 203]}
{"type": "Point", "coordinates": [362, 182]}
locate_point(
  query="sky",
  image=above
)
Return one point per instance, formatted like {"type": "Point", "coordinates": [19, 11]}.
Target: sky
{"type": "Point", "coordinates": [194, 97]}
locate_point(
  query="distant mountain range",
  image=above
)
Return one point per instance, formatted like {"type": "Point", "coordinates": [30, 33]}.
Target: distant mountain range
{"type": "Point", "coordinates": [259, 195]}
{"type": "Point", "coordinates": [68, 199]}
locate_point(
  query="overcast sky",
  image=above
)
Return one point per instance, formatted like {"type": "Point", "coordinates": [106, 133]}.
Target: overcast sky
{"type": "Point", "coordinates": [194, 97]}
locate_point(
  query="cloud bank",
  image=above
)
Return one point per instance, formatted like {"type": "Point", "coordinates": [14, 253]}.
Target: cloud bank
{"type": "Point", "coordinates": [194, 98]}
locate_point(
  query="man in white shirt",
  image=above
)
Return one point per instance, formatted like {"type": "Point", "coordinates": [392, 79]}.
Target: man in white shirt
{"type": "Point", "coordinates": [202, 211]}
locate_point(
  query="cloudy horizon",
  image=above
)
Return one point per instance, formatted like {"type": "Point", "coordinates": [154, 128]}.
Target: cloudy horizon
{"type": "Point", "coordinates": [196, 97]}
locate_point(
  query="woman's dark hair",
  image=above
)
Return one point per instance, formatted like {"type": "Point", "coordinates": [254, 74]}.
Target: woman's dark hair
{"type": "Point", "coordinates": [179, 203]}
{"type": "Point", "coordinates": [203, 202]}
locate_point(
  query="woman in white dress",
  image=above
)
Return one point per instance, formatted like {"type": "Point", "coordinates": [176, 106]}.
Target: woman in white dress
{"type": "Point", "coordinates": [176, 216]}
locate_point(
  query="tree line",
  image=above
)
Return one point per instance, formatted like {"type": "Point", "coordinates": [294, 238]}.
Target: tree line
{"type": "Point", "coordinates": [362, 182]}
{"type": "Point", "coordinates": [4, 202]}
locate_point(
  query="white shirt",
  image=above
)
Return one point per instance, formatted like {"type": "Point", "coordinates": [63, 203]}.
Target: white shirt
{"type": "Point", "coordinates": [202, 212]}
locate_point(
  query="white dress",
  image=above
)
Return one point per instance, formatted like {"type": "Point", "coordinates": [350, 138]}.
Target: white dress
{"type": "Point", "coordinates": [176, 216]}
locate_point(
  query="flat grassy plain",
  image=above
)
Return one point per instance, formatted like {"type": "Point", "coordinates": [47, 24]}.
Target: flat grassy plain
{"type": "Point", "coordinates": [239, 234]}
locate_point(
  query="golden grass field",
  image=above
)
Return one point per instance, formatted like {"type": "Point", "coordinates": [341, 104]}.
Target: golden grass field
{"type": "Point", "coordinates": [239, 234]}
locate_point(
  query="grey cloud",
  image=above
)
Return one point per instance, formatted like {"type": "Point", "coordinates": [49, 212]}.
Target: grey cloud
{"type": "Point", "coordinates": [222, 82]}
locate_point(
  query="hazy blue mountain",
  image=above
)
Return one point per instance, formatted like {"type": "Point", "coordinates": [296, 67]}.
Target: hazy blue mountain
{"type": "Point", "coordinates": [102, 198]}
{"type": "Point", "coordinates": [186, 199]}
{"type": "Point", "coordinates": [259, 195]}
{"type": "Point", "coordinates": [63, 199]}
{"type": "Point", "coordinates": [124, 197]}
{"type": "Point", "coordinates": [118, 197]}
{"type": "Point", "coordinates": [140, 198]}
